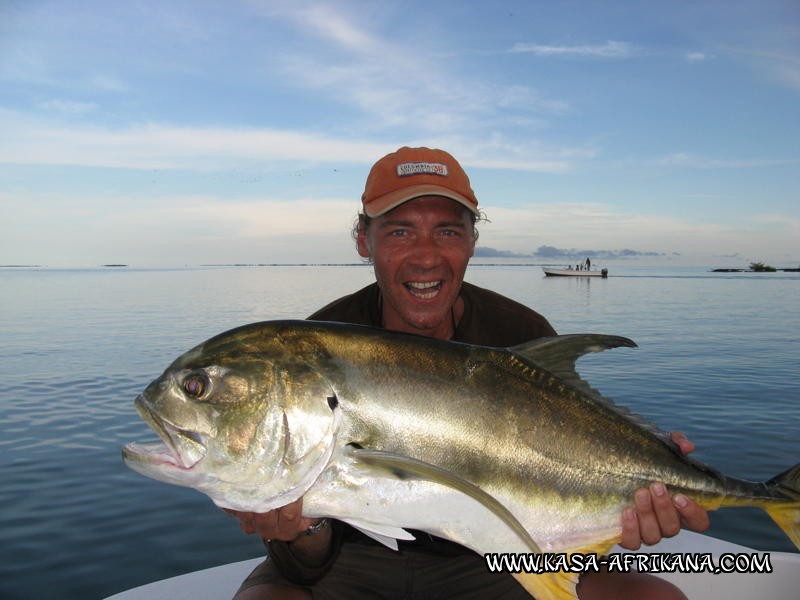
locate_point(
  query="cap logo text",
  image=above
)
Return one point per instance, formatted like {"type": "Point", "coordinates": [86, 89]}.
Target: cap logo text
{"type": "Point", "coordinates": [421, 168]}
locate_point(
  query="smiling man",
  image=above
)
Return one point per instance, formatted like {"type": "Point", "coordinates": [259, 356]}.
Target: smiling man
{"type": "Point", "coordinates": [421, 251]}
{"type": "Point", "coordinates": [421, 240]}
{"type": "Point", "coordinates": [418, 230]}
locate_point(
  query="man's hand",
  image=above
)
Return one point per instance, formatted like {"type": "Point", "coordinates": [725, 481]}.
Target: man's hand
{"type": "Point", "coordinates": [286, 523]}
{"type": "Point", "coordinates": [656, 515]}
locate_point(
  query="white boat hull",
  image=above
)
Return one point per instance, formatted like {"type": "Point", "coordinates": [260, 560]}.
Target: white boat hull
{"type": "Point", "coordinates": [782, 584]}
{"type": "Point", "coordinates": [574, 273]}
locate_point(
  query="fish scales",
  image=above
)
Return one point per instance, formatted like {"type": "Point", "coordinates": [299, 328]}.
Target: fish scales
{"type": "Point", "coordinates": [444, 391]}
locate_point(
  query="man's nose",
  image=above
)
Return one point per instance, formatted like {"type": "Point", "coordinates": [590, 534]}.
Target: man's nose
{"type": "Point", "coordinates": [426, 252]}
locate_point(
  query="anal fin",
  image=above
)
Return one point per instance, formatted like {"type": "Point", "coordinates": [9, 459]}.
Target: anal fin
{"type": "Point", "coordinates": [561, 585]}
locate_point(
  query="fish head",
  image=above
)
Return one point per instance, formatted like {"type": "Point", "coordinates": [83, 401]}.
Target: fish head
{"type": "Point", "coordinates": [248, 424]}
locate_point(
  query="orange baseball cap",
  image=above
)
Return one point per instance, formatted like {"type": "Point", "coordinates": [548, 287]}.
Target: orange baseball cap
{"type": "Point", "coordinates": [414, 172]}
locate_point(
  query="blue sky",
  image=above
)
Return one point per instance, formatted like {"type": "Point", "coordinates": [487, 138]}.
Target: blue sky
{"type": "Point", "coordinates": [171, 133]}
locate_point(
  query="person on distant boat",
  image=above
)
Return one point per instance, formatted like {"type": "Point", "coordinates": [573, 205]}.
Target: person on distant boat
{"type": "Point", "coordinates": [588, 264]}
{"type": "Point", "coordinates": [417, 229]}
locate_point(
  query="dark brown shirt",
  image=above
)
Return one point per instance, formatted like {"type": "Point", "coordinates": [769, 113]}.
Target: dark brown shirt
{"type": "Point", "coordinates": [489, 319]}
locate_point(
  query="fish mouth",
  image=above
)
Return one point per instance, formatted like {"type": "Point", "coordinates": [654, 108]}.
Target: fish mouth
{"type": "Point", "coordinates": [180, 448]}
{"type": "Point", "coordinates": [424, 290]}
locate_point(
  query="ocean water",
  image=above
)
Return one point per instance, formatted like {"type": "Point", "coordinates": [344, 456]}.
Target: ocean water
{"type": "Point", "coordinates": [718, 358]}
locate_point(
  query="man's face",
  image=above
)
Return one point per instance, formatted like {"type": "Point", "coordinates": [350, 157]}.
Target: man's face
{"type": "Point", "coordinates": [420, 251]}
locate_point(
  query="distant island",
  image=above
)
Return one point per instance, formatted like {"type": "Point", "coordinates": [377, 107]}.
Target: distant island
{"type": "Point", "coordinates": [115, 265]}
{"type": "Point", "coordinates": [757, 267]}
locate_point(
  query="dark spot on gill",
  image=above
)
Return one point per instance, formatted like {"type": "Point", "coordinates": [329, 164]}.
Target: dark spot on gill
{"type": "Point", "coordinates": [333, 402]}
{"type": "Point", "coordinates": [195, 437]}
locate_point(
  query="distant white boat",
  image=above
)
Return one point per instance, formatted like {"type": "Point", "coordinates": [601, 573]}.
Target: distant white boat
{"type": "Point", "coordinates": [574, 273]}
{"type": "Point", "coordinates": [782, 583]}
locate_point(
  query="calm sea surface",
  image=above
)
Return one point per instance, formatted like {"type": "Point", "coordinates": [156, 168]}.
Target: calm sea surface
{"type": "Point", "coordinates": [718, 358]}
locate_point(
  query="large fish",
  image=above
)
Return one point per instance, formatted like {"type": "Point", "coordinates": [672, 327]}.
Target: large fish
{"type": "Point", "coordinates": [500, 450]}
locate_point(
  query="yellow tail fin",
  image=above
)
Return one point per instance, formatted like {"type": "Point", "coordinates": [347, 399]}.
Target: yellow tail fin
{"type": "Point", "coordinates": [788, 518]}
{"type": "Point", "coordinates": [787, 515]}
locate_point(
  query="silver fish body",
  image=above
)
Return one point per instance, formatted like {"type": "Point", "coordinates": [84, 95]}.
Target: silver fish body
{"type": "Point", "coordinates": [501, 450]}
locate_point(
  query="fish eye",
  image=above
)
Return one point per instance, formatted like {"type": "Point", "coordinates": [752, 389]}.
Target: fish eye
{"type": "Point", "coordinates": [196, 384]}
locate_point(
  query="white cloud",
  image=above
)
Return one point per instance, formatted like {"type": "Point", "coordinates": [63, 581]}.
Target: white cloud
{"type": "Point", "coordinates": [203, 229]}
{"type": "Point", "coordinates": [785, 72]}
{"type": "Point", "coordinates": [596, 226]}
{"type": "Point", "coordinates": [694, 57]}
{"type": "Point", "coordinates": [68, 106]}
{"type": "Point", "coordinates": [398, 94]}
{"type": "Point", "coordinates": [404, 82]}
{"type": "Point", "coordinates": [498, 152]}
{"type": "Point", "coordinates": [333, 25]}
{"type": "Point", "coordinates": [174, 231]}
{"type": "Point", "coordinates": [686, 160]}
{"type": "Point", "coordinates": [611, 49]}
{"type": "Point", "coordinates": [247, 218]}
{"type": "Point", "coordinates": [155, 146]}
{"type": "Point", "coordinates": [108, 83]}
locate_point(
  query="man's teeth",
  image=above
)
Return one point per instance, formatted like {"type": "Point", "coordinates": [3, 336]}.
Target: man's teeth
{"type": "Point", "coordinates": [424, 290]}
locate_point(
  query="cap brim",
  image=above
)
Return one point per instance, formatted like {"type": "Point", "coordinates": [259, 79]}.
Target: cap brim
{"type": "Point", "coordinates": [382, 205]}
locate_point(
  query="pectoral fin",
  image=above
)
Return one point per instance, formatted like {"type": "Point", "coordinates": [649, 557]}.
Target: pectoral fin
{"type": "Point", "coordinates": [405, 467]}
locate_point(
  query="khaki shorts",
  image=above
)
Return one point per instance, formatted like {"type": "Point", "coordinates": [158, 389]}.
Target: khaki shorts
{"type": "Point", "coordinates": [367, 572]}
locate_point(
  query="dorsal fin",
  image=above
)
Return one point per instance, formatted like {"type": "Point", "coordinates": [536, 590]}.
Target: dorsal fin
{"type": "Point", "coordinates": [559, 354]}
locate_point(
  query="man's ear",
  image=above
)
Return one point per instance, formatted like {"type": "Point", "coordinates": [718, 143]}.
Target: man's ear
{"type": "Point", "coordinates": [362, 243]}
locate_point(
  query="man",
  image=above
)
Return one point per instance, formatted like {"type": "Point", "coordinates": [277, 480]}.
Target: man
{"type": "Point", "coordinates": [418, 230]}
